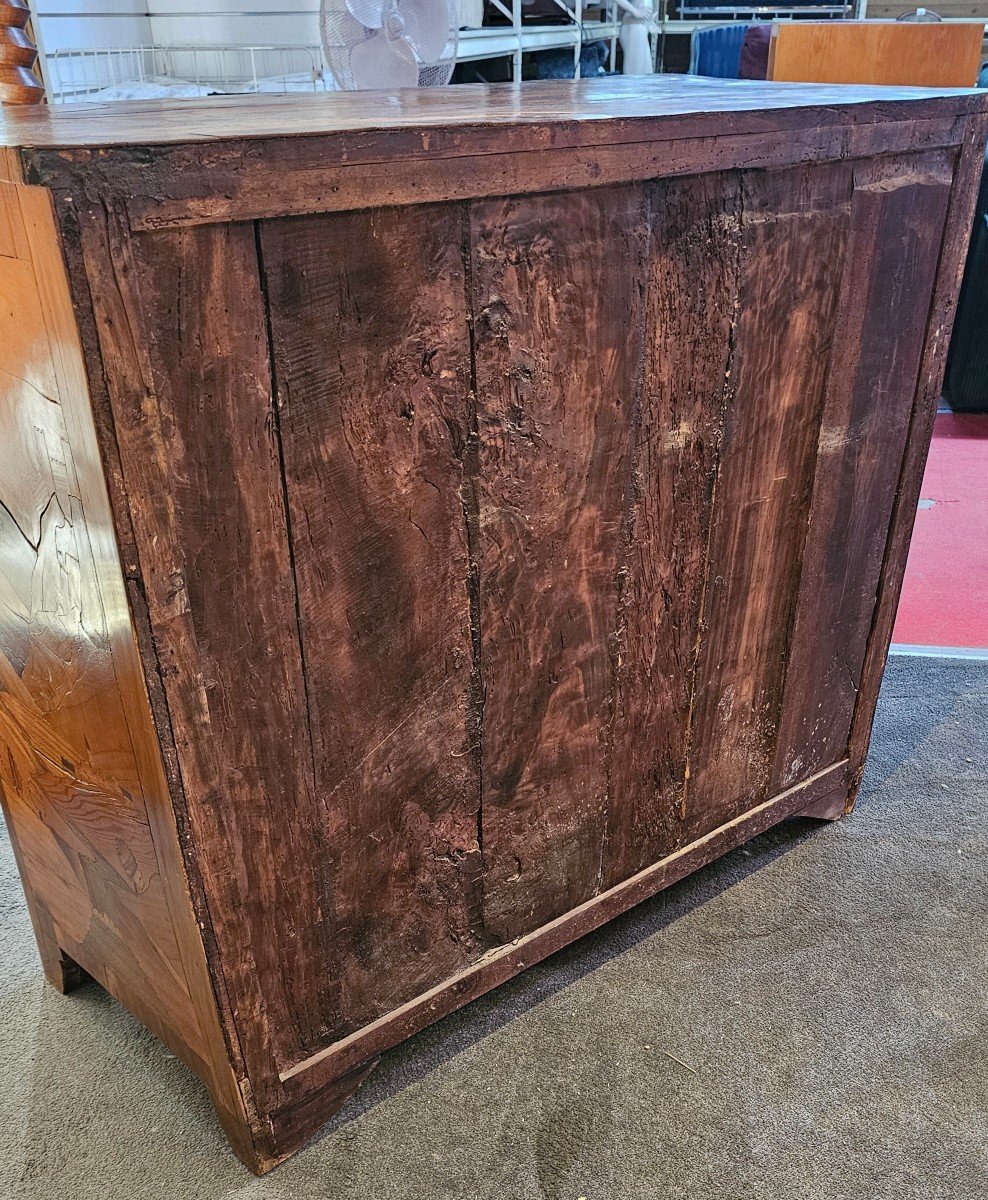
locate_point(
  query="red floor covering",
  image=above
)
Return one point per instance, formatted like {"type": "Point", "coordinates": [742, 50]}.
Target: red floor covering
{"type": "Point", "coordinates": [945, 593]}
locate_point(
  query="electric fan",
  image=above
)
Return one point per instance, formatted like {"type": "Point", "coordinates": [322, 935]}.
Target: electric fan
{"type": "Point", "coordinates": [389, 43]}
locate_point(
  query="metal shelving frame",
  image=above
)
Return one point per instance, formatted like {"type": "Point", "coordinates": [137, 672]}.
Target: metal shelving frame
{"type": "Point", "coordinates": [518, 38]}
{"type": "Point", "coordinates": [717, 15]}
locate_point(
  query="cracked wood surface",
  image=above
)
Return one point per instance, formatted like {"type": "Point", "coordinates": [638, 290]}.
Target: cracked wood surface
{"type": "Point", "coordinates": [183, 321]}
{"type": "Point", "coordinates": [557, 295]}
{"type": "Point", "coordinates": [492, 562]}
{"type": "Point", "coordinates": [690, 306]}
{"type": "Point", "coordinates": [791, 252]}
{"type": "Point", "coordinates": [371, 354]}
{"type": "Point", "coordinates": [512, 498]}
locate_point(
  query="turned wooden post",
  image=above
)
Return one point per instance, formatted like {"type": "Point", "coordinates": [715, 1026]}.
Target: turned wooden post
{"type": "Point", "coordinates": [18, 82]}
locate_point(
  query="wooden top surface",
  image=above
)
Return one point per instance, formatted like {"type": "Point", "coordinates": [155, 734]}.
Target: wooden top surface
{"type": "Point", "coordinates": [159, 122]}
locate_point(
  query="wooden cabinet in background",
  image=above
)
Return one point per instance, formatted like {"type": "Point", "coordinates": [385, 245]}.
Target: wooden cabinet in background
{"type": "Point", "coordinates": [431, 525]}
{"type": "Point", "coordinates": [902, 53]}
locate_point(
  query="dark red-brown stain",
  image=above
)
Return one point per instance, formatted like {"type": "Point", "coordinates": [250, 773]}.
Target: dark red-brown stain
{"type": "Point", "coordinates": [491, 562]}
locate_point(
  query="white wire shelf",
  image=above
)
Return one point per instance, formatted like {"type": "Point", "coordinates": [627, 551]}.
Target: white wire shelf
{"type": "Point", "coordinates": [87, 74]}
{"type": "Point", "coordinates": [501, 40]}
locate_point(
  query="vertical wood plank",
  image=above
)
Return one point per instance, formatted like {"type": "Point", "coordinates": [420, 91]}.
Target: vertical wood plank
{"type": "Point", "coordinates": [557, 292]}
{"type": "Point", "coordinates": [691, 299]}
{"type": "Point", "coordinates": [183, 334]}
{"type": "Point", "coordinates": [13, 236]}
{"type": "Point", "coordinates": [369, 324]}
{"type": "Point", "coordinates": [898, 210]}
{"type": "Point", "coordinates": [957, 233]}
{"type": "Point", "coordinates": [68, 320]}
{"type": "Point", "coordinates": [794, 228]}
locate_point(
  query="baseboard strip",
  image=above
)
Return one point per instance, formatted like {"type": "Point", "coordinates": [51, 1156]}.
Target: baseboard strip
{"type": "Point", "coordinates": [506, 961]}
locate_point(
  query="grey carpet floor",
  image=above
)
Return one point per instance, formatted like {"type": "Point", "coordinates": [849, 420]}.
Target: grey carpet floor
{"type": "Point", "coordinates": [804, 1019]}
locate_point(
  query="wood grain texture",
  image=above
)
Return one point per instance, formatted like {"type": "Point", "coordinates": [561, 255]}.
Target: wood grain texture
{"type": "Point", "coordinates": [794, 228]}
{"type": "Point", "coordinates": [558, 318]}
{"type": "Point", "coordinates": [480, 555]}
{"type": "Point", "coordinates": [923, 54]}
{"type": "Point", "coordinates": [956, 238]}
{"type": "Point", "coordinates": [691, 294]}
{"type": "Point", "coordinates": [191, 391]}
{"type": "Point", "coordinates": [584, 111]}
{"type": "Point", "coordinates": [13, 243]}
{"type": "Point", "coordinates": [369, 327]}
{"type": "Point", "coordinates": [18, 82]}
{"type": "Point", "coordinates": [73, 794]}
{"type": "Point", "coordinates": [11, 169]}
{"type": "Point", "coordinates": [898, 209]}
{"type": "Point", "coordinates": [295, 177]}
{"type": "Point", "coordinates": [80, 771]}
{"type": "Point", "coordinates": [821, 793]}
{"type": "Point", "coordinates": [469, 143]}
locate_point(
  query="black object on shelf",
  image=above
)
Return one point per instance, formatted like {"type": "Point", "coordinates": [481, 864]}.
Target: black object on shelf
{"type": "Point", "coordinates": [559, 63]}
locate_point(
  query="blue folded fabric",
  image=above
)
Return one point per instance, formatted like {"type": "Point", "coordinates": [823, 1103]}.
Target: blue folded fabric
{"type": "Point", "coordinates": [717, 51]}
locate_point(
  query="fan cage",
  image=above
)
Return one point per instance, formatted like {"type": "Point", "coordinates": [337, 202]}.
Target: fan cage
{"type": "Point", "coordinates": [342, 32]}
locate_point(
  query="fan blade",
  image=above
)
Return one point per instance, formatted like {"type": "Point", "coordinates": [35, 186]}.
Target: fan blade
{"type": "Point", "coordinates": [369, 13]}
{"type": "Point", "coordinates": [427, 27]}
{"type": "Point", "coordinates": [381, 63]}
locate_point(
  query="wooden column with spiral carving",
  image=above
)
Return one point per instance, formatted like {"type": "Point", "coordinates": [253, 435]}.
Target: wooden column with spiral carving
{"type": "Point", "coordinates": [18, 83]}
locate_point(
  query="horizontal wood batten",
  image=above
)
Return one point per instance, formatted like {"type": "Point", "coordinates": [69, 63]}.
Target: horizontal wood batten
{"type": "Point", "coordinates": [824, 788]}
{"type": "Point", "coordinates": [264, 190]}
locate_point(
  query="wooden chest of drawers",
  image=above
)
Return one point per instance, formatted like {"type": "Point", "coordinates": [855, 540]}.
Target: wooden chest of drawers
{"type": "Point", "coordinates": [432, 524]}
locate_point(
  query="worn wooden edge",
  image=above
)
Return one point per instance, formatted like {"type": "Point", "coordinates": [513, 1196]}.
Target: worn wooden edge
{"type": "Point", "coordinates": [402, 130]}
{"type": "Point", "coordinates": [254, 177]}
{"type": "Point", "coordinates": [43, 237]}
{"type": "Point", "coordinates": [822, 790]}
{"type": "Point", "coordinates": [268, 191]}
{"type": "Point", "coordinates": [13, 235]}
{"type": "Point", "coordinates": [943, 307]}
{"type": "Point", "coordinates": [291, 1127]}
{"type": "Point", "coordinates": [81, 370]}
{"type": "Point", "coordinates": [11, 167]}
{"type": "Point", "coordinates": [41, 923]}
{"type": "Point", "coordinates": [829, 807]}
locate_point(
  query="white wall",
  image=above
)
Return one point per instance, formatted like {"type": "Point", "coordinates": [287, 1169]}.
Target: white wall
{"type": "Point", "coordinates": [93, 24]}
{"type": "Point", "coordinates": [72, 24]}
{"type": "Point", "coordinates": [234, 22]}
{"type": "Point", "coordinates": [82, 24]}
{"type": "Point", "coordinates": [88, 25]}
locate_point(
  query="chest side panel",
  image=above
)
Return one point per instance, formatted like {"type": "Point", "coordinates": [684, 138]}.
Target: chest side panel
{"type": "Point", "coordinates": [898, 211]}
{"type": "Point", "coordinates": [81, 776]}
